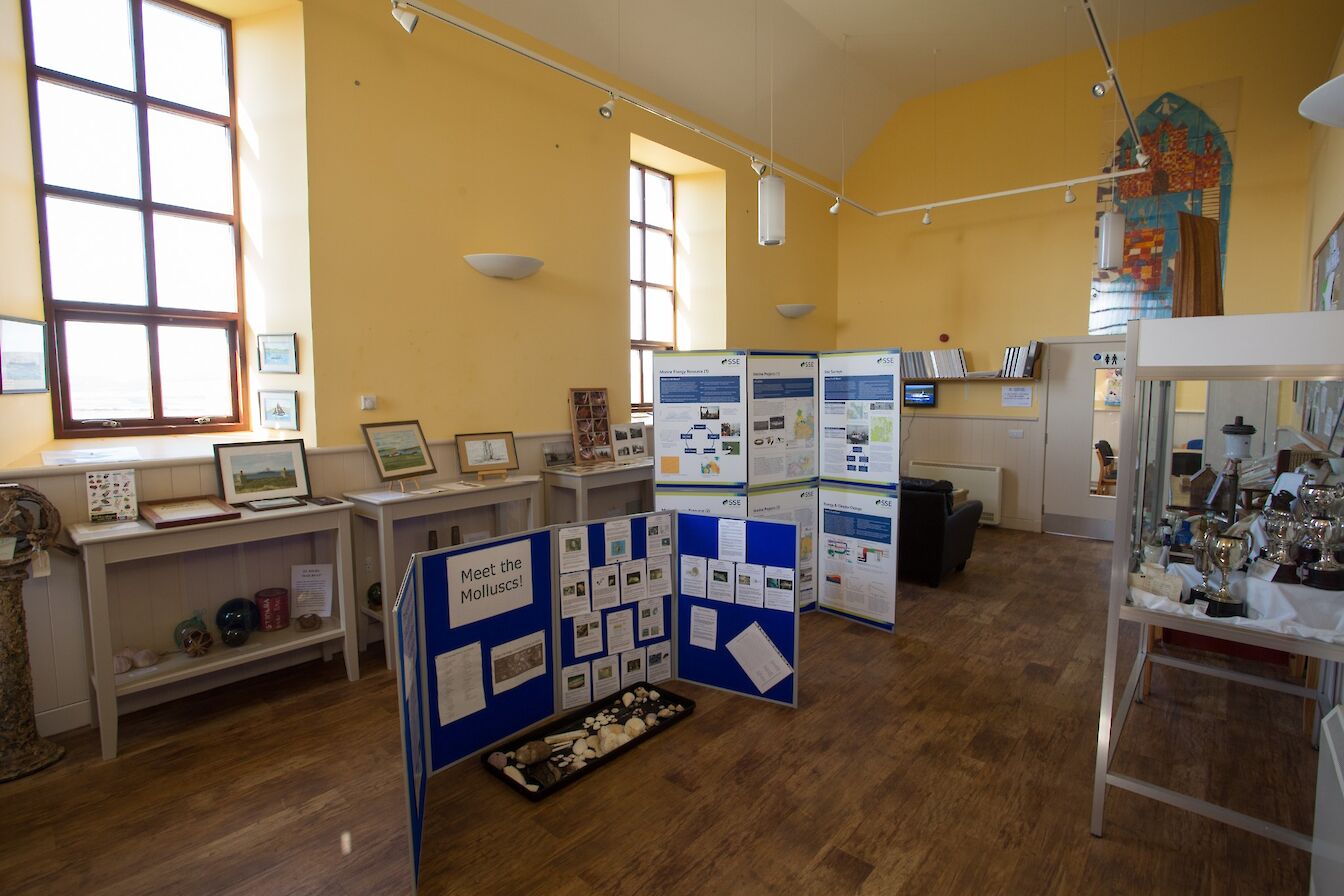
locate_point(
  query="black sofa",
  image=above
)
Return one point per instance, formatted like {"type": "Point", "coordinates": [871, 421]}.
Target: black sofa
{"type": "Point", "coordinates": [934, 539]}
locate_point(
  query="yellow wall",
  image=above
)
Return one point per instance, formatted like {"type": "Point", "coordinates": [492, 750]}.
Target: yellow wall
{"type": "Point", "coordinates": [1005, 271]}
{"type": "Point", "coordinates": [25, 420]}
{"type": "Point", "coordinates": [425, 148]}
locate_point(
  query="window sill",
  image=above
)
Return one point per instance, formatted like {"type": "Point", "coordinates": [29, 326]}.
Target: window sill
{"type": "Point", "coordinates": [153, 451]}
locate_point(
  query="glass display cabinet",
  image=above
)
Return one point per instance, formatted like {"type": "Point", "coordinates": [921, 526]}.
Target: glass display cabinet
{"type": "Point", "coordinates": [1213, 410]}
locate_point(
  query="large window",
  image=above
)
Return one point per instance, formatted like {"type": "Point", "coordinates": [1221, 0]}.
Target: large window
{"type": "Point", "coordinates": [653, 318]}
{"type": "Point", "coordinates": [135, 165]}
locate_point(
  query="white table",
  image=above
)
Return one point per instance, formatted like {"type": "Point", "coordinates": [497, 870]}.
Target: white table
{"type": "Point", "coordinates": [583, 480]}
{"type": "Point", "coordinates": [386, 506]}
{"type": "Point", "coordinates": [103, 544]}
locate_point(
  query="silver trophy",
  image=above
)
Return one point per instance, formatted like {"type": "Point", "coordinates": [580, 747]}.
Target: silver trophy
{"type": "Point", "coordinates": [1321, 530]}
{"type": "Point", "coordinates": [1282, 530]}
{"type": "Point", "coordinates": [1226, 552]}
{"type": "Point", "coordinates": [1200, 546]}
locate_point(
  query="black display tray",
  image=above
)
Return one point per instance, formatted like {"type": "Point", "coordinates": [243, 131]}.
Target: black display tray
{"type": "Point", "coordinates": [574, 721]}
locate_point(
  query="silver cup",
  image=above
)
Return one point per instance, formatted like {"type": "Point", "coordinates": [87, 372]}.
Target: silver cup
{"type": "Point", "coordinates": [1227, 552]}
{"type": "Point", "coordinates": [1282, 531]}
{"type": "Point", "coordinates": [1323, 533]}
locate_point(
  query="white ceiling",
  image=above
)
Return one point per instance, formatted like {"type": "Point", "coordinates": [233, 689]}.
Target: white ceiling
{"type": "Point", "coordinates": [837, 64]}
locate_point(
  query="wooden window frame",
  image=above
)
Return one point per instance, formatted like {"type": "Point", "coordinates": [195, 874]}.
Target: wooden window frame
{"type": "Point", "coordinates": [646, 344]}
{"type": "Point", "coordinates": [58, 313]}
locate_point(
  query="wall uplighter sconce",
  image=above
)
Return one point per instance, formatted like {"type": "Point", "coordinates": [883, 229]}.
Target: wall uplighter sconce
{"type": "Point", "coordinates": [795, 311]}
{"type": "Point", "coordinates": [504, 265]}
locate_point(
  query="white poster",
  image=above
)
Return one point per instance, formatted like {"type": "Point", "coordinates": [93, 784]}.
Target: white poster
{"type": "Point", "coordinates": [782, 415]}
{"type": "Point", "coordinates": [798, 506]}
{"type": "Point", "coordinates": [720, 585]}
{"type": "Point", "coordinates": [659, 662]}
{"type": "Point", "coordinates": [733, 540]}
{"type": "Point", "coordinates": [750, 585]}
{"type": "Point", "coordinates": [606, 676]}
{"type": "Point", "coordinates": [575, 687]}
{"type": "Point", "coordinates": [1015, 397]}
{"type": "Point", "coordinates": [517, 661]}
{"type": "Point", "coordinates": [860, 416]}
{"type": "Point", "coordinates": [632, 667]}
{"type": "Point", "coordinates": [573, 549]}
{"type": "Point", "coordinates": [606, 587]}
{"type": "Point", "coordinates": [658, 535]}
{"type": "Point", "coordinates": [616, 534]}
{"type": "Point", "coordinates": [574, 594]}
{"type": "Point", "coordinates": [779, 588]}
{"type": "Point", "coordinates": [724, 503]}
{"type": "Point", "coordinates": [489, 581]}
{"type": "Point", "coordinates": [704, 627]}
{"type": "Point", "coordinates": [699, 404]}
{"type": "Point", "coordinates": [651, 619]}
{"type": "Point", "coordinates": [310, 589]}
{"type": "Point", "coordinates": [620, 631]}
{"type": "Point", "coordinates": [588, 634]}
{"type": "Point", "coordinates": [461, 684]}
{"type": "Point", "coordinates": [759, 657]}
{"type": "Point", "coordinates": [633, 586]}
{"type": "Point", "coordinates": [857, 552]}
{"type": "Point", "coordinates": [660, 576]}
{"type": "Point", "coordinates": [694, 573]}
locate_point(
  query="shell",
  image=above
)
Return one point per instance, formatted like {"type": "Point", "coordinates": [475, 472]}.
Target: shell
{"type": "Point", "coordinates": [534, 751]}
{"type": "Point", "coordinates": [607, 742]}
{"type": "Point", "coordinates": [635, 727]}
{"type": "Point", "coordinates": [120, 664]}
{"type": "Point", "coordinates": [654, 695]}
{"type": "Point", "coordinates": [144, 657]}
{"type": "Point", "coordinates": [497, 760]}
{"type": "Point", "coordinates": [627, 698]}
{"type": "Point", "coordinates": [128, 652]}
{"type": "Point", "coordinates": [515, 775]}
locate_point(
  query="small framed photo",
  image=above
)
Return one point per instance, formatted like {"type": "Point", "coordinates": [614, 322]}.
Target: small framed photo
{"type": "Point", "coordinates": [399, 449]}
{"type": "Point", "coordinates": [279, 409]}
{"type": "Point", "coordinates": [557, 454]}
{"type": "Point", "coordinates": [486, 452]}
{"type": "Point", "coordinates": [23, 356]}
{"type": "Point", "coordinates": [277, 353]}
{"type": "Point", "coordinates": [187, 512]}
{"type": "Point", "coordinates": [262, 471]}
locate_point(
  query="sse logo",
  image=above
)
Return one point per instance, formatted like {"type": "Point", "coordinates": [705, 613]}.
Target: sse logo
{"type": "Point", "coordinates": [883, 502]}
{"type": "Point", "coordinates": [889, 359]}
{"type": "Point", "coordinates": [731, 361]}
{"type": "Point", "coordinates": [808, 364]}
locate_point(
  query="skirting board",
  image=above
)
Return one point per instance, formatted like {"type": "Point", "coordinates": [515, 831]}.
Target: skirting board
{"type": "Point", "coordinates": [1078, 526]}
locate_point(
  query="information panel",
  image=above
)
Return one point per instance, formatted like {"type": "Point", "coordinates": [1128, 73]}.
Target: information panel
{"type": "Point", "coordinates": [798, 505]}
{"type": "Point", "coordinates": [406, 619]}
{"type": "Point", "coordinates": [737, 612]}
{"type": "Point", "coordinates": [857, 553]}
{"type": "Point", "coordinates": [860, 416]}
{"type": "Point", "coordinates": [617, 578]}
{"type": "Point", "coordinates": [710, 502]}
{"type": "Point", "coordinates": [489, 657]}
{"type": "Point", "coordinates": [700, 411]}
{"type": "Point", "coordinates": [782, 412]}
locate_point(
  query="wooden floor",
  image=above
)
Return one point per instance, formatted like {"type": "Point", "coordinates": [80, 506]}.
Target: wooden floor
{"type": "Point", "coordinates": [954, 757]}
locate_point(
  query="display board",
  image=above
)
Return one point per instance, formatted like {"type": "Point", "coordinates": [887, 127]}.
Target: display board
{"type": "Point", "coordinates": [406, 618]}
{"type": "Point", "coordinates": [793, 504]}
{"type": "Point", "coordinates": [737, 611]}
{"type": "Point", "coordinates": [489, 665]}
{"type": "Point", "coordinates": [860, 416]}
{"type": "Point", "coordinates": [857, 553]}
{"type": "Point", "coordinates": [612, 630]}
{"type": "Point", "coordinates": [700, 418]}
{"type": "Point", "coordinates": [711, 502]}
{"type": "Point", "coordinates": [781, 443]}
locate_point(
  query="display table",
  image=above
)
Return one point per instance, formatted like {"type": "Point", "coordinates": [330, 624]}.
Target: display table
{"type": "Point", "coordinates": [105, 544]}
{"type": "Point", "coordinates": [581, 480]}
{"type": "Point", "coordinates": [385, 507]}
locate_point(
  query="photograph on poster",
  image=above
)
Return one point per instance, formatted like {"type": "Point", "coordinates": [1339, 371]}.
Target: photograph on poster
{"type": "Point", "coordinates": [606, 676]}
{"type": "Point", "coordinates": [587, 634]}
{"type": "Point", "coordinates": [517, 661]}
{"type": "Point", "coordinates": [576, 689]}
{"type": "Point", "coordinates": [632, 667]}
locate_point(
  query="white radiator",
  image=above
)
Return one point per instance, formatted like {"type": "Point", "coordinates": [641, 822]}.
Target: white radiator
{"type": "Point", "coordinates": [984, 483]}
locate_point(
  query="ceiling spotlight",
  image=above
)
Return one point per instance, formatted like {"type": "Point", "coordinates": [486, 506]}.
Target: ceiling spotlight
{"type": "Point", "coordinates": [1099, 89]}
{"type": "Point", "coordinates": [608, 109]}
{"type": "Point", "coordinates": [1143, 159]}
{"type": "Point", "coordinates": [1069, 196]}
{"type": "Point", "coordinates": [759, 167]}
{"type": "Point", "coordinates": [835, 209]}
{"type": "Point", "coordinates": [405, 18]}
{"type": "Point", "coordinates": [928, 217]}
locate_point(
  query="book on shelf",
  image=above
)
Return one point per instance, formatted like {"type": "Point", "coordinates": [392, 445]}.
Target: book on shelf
{"type": "Point", "coordinates": [1019, 361]}
{"type": "Point", "coordinates": [938, 364]}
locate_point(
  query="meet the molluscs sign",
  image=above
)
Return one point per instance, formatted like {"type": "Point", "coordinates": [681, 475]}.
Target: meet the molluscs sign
{"type": "Point", "coordinates": [488, 582]}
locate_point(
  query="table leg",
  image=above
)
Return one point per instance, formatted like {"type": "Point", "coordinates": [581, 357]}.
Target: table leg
{"type": "Point", "coordinates": [100, 640]}
{"type": "Point", "coordinates": [581, 502]}
{"type": "Point", "coordinates": [345, 581]}
{"type": "Point", "coordinates": [532, 510]}
{"type": "Point", "coordinates": [387, 563]}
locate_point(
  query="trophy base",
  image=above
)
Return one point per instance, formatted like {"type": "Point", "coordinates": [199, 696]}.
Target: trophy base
{"type": "Point", "coordinates": [1196, 593]}
{"type": "Point", "coordinates": [1223, 609]}
{"type": "Point", "coordinates": [1287, 574]}
{"type": "Point", "coordinates": [1325, 579]}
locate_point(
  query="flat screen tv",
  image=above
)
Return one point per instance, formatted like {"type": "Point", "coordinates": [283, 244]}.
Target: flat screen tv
{"type": "Point", "coordinates": [920, 395]}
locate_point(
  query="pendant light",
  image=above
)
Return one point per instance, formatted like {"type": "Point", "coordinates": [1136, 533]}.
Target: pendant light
{"type": "Point", "coordinates": [770, 188]}
{"type": "Point", "coordinates": [1111, 240]}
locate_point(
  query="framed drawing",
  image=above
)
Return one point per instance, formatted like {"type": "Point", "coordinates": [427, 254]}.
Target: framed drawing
{"type": "Point", "coordinates": [486, 452]}
{"type": "Point", "coordinates": [262, 471]}
{"type": "Point", "coordinates": [187, 512]}
{"type": "Point", "coordinates": [23, 355]}
{"type": "Point", "coordinates": [591, 425]}
{"type": "Point", "coordinates": [399, 449]}
{"type": "Point", "coordinates": [277, 353]}
{"type": "Point", "coordinates": [279, 409]}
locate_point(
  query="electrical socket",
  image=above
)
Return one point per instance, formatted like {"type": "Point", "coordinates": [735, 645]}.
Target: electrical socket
{"type": "Point", "coordinates": [1014, 433]}
{"type": "Point", "coordinates": [368, 402]}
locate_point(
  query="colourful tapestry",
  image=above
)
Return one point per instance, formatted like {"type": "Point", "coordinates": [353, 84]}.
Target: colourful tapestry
{"type": "Point", "coordinates": [1191, 171]}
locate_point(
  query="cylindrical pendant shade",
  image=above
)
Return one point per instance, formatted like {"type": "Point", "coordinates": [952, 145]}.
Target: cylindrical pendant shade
{"type": "Point", "coordinates": [1111, 241]}
{"type": "Point", "coordinates": [771, 200]}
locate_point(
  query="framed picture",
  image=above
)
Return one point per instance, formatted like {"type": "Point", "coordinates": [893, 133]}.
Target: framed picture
{"type": "Point", "coordinates": [279, 409]}
{"type": "Point", "coordinates": [399, 449]}
{"type": "Point", "coordinates": [187, 511]}
{"type": "Point", "coordinates": [23, 355]}
{"type": "Point", "coordinates": [1327, 272]}
{"type": "Point", "coordinates": [629, 442]}
{"type": "Point", "coordinates": [591, 425]}
{"type": "Point", "coordinates": [485, 452]}
{"type": "Point", "coordinates": [261, 471]}
{"type": "Point", "coordinates": [557, 454]}
{"type": "Point", "coordinates": [277, 353]}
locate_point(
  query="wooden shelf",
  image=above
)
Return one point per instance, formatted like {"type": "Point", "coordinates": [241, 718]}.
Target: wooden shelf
{"type": "Point", "coordinates": [174, 667]}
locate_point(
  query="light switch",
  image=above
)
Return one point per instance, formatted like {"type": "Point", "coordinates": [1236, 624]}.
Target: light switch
{"type": "Point", "coordinates": [1014, 433]}
{"type": "Point", "coordinates": [368, 402]}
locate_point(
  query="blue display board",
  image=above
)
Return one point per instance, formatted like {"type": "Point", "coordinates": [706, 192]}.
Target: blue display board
{"type": "Point", "coordinates": [641, 636]}
{"type": "Point", "coordinates": [768, 544]}
{"type": "Point", "coordinates": [461, 587]}
{"type": "Point", "coordinates": [406, 618]}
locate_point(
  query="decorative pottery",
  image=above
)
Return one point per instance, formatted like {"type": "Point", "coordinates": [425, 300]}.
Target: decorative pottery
{"type": "Point", "coordinates": [186, 627]}
{"type": "Point", "coordinates": [238, 613]}
{"type": "Point", "coordinates": [375, 596]}
{"type": "Point", "coordinates": [234, 637]}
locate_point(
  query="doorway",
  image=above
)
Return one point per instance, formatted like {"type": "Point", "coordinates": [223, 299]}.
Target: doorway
{"type": "Point", "coordinates": [1082, 434]}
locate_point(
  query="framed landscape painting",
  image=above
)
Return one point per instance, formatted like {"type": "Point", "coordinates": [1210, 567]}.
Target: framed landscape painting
{"type": "Point", "coordinates": [399, 449]}
{"type": "Point", "coordinates": [262, 471]}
